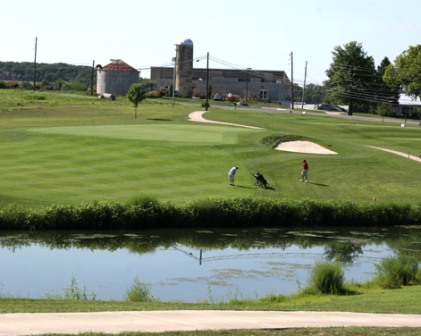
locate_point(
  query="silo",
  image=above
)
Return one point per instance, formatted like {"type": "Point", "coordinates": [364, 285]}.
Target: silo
{"type": "Point", "coordinates": [184, 68]}
{"type": "Point", "coordinates": [115, 78]}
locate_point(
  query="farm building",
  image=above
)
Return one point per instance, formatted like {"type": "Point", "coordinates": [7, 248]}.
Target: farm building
{"type": "Point", "coordinates": [115, 78]}
{"type": "Point", "coordinates": [263, 85]}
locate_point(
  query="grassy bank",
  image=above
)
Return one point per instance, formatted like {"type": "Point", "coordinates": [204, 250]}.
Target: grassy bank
{"type": "Point", "coordinates": [365, 300]}
{"type": "Point", "coordinates": [236, 212]}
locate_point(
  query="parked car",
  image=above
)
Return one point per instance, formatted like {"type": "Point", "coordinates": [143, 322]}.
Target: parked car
{"type": "Point", "coordinates": [218, 98]}
{"type": "Point", "coordinates": [331, 107]}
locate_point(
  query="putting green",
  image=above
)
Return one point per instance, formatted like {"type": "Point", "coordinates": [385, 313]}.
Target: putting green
{"type": "Point", "coordinates": [199, 134]}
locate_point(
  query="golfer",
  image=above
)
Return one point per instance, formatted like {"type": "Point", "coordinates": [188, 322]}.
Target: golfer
{"type": "Point", "coordinates": [231, 174]}
{"type": "Point", "coordinates": [304, 172]}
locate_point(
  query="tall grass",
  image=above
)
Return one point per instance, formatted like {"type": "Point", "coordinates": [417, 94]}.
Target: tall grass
{"type": "Point", "coordinates": [148, 213]}
{"type": "Point", "coordinates": [398, 271]}
{"type": "Point", "coordinates": [139, 292]}
{"type": "Point", "coordinates": [73, 292]}
{"type": "Point", "coordinates": [327, 278]}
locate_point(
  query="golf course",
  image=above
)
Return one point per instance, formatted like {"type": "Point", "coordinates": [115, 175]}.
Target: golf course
{"type": "Point", "coordinates": [60, 150]}
{"type": "Point", "coordinates": [63, 148]}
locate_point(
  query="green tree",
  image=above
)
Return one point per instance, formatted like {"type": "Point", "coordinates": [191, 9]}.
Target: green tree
{"type": "Point", "coordinates": [351, 76]}
{"type": "Point", "coordinates": [135, 95]}
{"type": "Point", "coordinates": [387, 96]}
{"type": "Point", "coordinates": [406, 72]}
{"type": "Point", "coordinates": [298, 93]}
{"type": "Point", "coordinates": [314, 94]}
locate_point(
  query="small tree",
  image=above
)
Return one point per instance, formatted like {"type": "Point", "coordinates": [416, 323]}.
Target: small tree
{"type": "Point", "coordinates": [136, 94]}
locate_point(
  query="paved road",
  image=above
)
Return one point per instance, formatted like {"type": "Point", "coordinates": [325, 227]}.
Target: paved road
{"type": "Point", "coordinates": [183, 320]}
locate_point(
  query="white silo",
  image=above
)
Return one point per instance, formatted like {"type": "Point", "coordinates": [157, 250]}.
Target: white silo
{"type": "Point", "coordinates": [116, 78]}
{"type": "Point", "coordinates": [184, 68]}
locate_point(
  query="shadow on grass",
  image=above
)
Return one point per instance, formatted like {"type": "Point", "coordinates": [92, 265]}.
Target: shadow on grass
{"type": "Point", "coordinates": [241, 186]}
{"type": "Point", "coordinates": [159, 119]}
{"type": "Point", "coordinates": [319, 184]}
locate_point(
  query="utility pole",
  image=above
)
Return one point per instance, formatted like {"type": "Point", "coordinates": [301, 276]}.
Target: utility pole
{"type": "Point", "coordinates": [35, 63]}
{"type": "Point", "coordinates": [304, 87]}
{"type": "Point", "coordinates": [292, 80]}
{"type": "Point", "coordinates": [92, 78]}
{"type": "Point", "coordinates": [247, 87]}
{"type": "Point", "coordinates": [207, 81]}
{"type": "Point", "coordinates": [174, 59]}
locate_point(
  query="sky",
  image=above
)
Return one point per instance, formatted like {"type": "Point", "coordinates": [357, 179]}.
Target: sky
{"type": "Point", "coordinates": [240, 34]}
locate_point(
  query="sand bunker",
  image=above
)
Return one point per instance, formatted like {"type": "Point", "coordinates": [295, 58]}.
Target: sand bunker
{"type": "Point", "coordinates": [303, 147]}
{"type": "Point", "coordinates": [288, 146]}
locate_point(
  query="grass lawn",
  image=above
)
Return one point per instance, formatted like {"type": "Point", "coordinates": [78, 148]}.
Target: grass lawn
{"type": "Point", "coordinates": [69, 148]}
{"type": "Point", "coordinates": [59, 148]}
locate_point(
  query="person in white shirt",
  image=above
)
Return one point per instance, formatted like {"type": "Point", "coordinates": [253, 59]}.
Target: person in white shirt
{"type": "Point", "coordinates": [231, 174]}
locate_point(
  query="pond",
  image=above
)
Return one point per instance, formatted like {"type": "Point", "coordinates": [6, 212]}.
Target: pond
{"type": "Point", "coordinates": [191, 266]}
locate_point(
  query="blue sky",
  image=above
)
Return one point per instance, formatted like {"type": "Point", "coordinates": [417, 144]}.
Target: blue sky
{"type": "Point", "coordinates": [242, 33]}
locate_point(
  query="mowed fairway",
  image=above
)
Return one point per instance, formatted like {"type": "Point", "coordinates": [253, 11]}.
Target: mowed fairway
{"type": "Point", "coordinates": [120, 162]}
{"type": "Point", "coordinates": [66, 150]}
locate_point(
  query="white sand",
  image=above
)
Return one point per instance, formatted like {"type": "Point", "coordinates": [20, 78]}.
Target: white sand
{"type": "Point", "coordinates": [303, 147]}
{"type": "Point", "coordinates": [288, 146]}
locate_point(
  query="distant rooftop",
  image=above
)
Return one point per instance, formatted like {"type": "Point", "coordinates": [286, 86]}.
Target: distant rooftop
{"type": "Point", "coordinates": [404, 99]}
{"type": "Point", "coordinates": [187, 41]}
{"type": "Point", "coordinates": [119, 65]}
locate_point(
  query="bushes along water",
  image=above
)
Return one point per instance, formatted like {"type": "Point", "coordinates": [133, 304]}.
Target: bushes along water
{"type": "Point", "coordinates": [236, 212]}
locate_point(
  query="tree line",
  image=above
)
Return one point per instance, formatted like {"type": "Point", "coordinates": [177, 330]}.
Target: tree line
{"type": "Point", "coordinates": [354, 80]}
{"type": "Point", "coordinates": [47, 76]}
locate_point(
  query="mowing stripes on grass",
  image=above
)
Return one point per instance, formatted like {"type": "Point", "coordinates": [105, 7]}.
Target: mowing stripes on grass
{"type": "Point", "coordinates": [69, 165]}
{"type": "Point", "coordinates": [192, 134]}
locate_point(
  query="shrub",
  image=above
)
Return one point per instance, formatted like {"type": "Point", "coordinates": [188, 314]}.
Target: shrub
{"type": "Point", "coordinates": [327, 278]}
{"type": "Point", "coordinates": [398, 271]}
{"type": "Point", "coordinates": [418, 277]}
{"type": "Point", "coordinates": [73, 292]}
{"type": "Point", "coordinates": [139, 292]}
{"type": "Point", "coordinates": [35, 96]}
{"type": "Point", "coordinates": [145, 213]}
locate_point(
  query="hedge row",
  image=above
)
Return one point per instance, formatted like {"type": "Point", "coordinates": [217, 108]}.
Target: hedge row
{"type": "Point", "coordinates": [238, 212]}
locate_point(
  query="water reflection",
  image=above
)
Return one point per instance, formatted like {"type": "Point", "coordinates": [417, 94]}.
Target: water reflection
{"type": "Point", "coordinates": [192, 266]}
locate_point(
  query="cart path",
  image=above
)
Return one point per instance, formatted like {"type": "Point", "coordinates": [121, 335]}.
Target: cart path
{"type": "Point", "coordinates": [407, 155]}
{"type": "Point", "coordinates": [20, 324]}
{"type": "Point", "coordinates": [198, 117]}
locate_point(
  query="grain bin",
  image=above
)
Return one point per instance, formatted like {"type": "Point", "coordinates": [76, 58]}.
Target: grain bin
{"type": "Point", "coordinates": [115, 78]}
{"type": "Point", "coordinates": [184, 68]}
